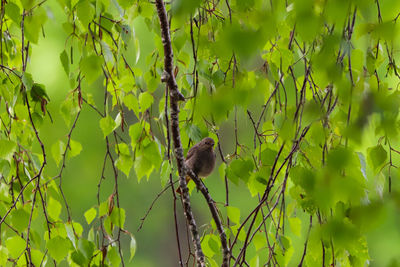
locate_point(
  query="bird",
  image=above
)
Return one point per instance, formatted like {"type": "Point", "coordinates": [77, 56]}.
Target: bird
{"type": "Point", "coordinates": [200, 159]}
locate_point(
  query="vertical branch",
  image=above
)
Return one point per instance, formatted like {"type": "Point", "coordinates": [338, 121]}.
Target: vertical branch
{"type": "Point", "coordinates": [115, 194]}
{"type": "Point", "coordinates": [306, 243]}
{"type": "Point", "coordinates": [170, 176]}
{"type": "Point", "coordinates": [37, 187]}
{"type": "Point", "coordinates": [350, 29]}
{"type": "Point", "coordinates": [175, 96]}
{"type": "Point", "coordinates": [24, 58]}
{"type": "Point", "coordinates": [2, 11]}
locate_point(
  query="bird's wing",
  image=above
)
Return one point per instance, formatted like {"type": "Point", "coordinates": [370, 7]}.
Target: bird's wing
{"type": "Point", "coordinates": [191, 152]}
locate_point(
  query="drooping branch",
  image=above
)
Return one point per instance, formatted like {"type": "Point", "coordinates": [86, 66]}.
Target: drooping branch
{"type": "Point", "coordinates": [175, 96]}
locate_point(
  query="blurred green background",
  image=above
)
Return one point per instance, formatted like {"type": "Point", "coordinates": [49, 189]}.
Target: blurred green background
{"type": "Point", "coordinates": [156, 243]}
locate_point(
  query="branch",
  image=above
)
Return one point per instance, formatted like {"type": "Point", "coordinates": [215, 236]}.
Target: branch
{"type": "Point", "coordinates": [214, 213]}
{"type": "Point", "coordinates": [306, 242]}
{"type": "Point", "coordinates": [170, 176]}
{"type": "Point", "coordinates": [152, 205]}
{"type": "Point", "coordinates": [175, 95]}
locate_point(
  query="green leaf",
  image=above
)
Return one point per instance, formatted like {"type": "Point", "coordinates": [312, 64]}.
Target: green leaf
{"type": "Point", "coordinates": [118, 217]}
{"type": "Point", "coordinates": [152, 81]}
{"type": "Point", "coordinates": [145, 101]}
{"type": "Point", "coordinates": [113, 255]}
{"type": "Point", "coordinates": [338, 158]}
{"type": "Point", "coordinates": [124, 163]}
{"type": "Point", "coordinates": [13, 11]}
{"type": "Point", "coordinates": [27, 4]}
{"type": "Point", "coordinates": [85, 12]}
{"type": "Point", "coordinates": [135, 132]}
{"type": "Point", "coordinates": [68, 109]}
{"type": "Point", "coordinates": [57, 149]}
{"type": "Point", "coordinates": [15, 246]}
{"type": "Point", "coordinates": [103, 209]}
{"type": "Point", "coordinates": [182, 8]}
{"type": "Point", "coordinates": [317, 134]}
{"type": "Point", "coordinates": [258, 180]}
{"type": "Point", "coordinates": [70, 233]}
{"type": "Point", "coordinates": [243, 40]}
{"type": "Point", "coordinates": [268, 157]}
{"type": "Point", "coordinates": [242, 234]}
{"type": "Point", "coordinates": [194, 132]}
{"type": "Point", "coordinates": [108, 226]}
{"type": "Point", "coordinates": [53, 208]}
{"type": "Point", "coordinates": [126, 33]}
{"type": "Point", "coordinates": [58, 248]}
{"type": "Point", "coordinates": [78, 228]}
{"type": "Point", "coordinates": [284, 242]}
{"type": "Point", "coordinates": [287, 58]}
{"type": "Point", "coordinates": [214, 244]}
{"type": "Point", "coordinates": [132, 247]}
{"type": "Point", "coordinates": [222, 170]}
{"type": "Point", "coordinates": [7, 149]}
{"type": "Point", "coordinates": [143, 167]}
{"type": "Point", "coordinates": [90, 214]}
{"type": "Point", "coordinates": [107, 125]}
{"type": "Point", "coordinates": [255, 261]}
{"type": "Point", "coordinates": [91, 67]}
{"type": "Point", "coordinates": [179, 39]}
{"type": "Point", "coordinates": [295, 226]}
{"type": "Point", "coordinates": [132, 103]}
{"type": "Point", "coordinates": [152, 153]}
{"type": "Point", "coordinates": [304, 178]}
{"type": "Point", "coordinates": [165, 172]}
{"type": "Point", "coordinates": [37, 257]}
{"type": "Point", "coordinates": [377, 156]}
{"type": "Point", "coordinates": [261, 180]}
{"type": "Point", "coordinates": [108, 55]}
{"type": "Point", "coordinates": [38, 92]}
{"type": "Point", "coordinates": [239, 169]}
{"type": "Point", "coordinates": [125, 4]}
{"type": "Point", "coordinates": [27, 81]}
{"type": "Point", "coordinates": [21, 112]}
{"type": "Point", "coordinates": [33, 24]}
{"type": "Point", "coordinates": [3, 256]}
{"type": "Point", "coordinates": [276, 58]}
{"type": "Point", "coordinates": [260, 241]}
{"type": "Point", "coordinates": [123, 149]}
{"type": "Point", "coordinates": [208, 252]}
{"type": "Point", "coordinates": [20, 219]}
{"type": "Point", "coordinates": [73, 3]}
{"type": "Point", "coordinates": [78, 258]}
{"type": "Point", "coordinates": [312, 112]}
{"type": "Point", "coordinates": [75, 147]}
{"type": "Point", "coordinates": [233, 214]}
{"type": "Point", "coordinates": [118, 120]}
{"type": "Point", "coordinates": [87, 247]}
{"type": "Point", "coordinates": [65, 61]}
{"type": "Point", "coordinates": [91, 235]}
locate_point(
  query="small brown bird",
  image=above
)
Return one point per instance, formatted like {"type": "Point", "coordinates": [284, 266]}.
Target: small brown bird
{"type": "Point", "coordinates": [200, 159]}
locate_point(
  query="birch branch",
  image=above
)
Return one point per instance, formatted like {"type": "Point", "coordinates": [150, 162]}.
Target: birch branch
{"type": "Point", "coordinates": [175, 96]}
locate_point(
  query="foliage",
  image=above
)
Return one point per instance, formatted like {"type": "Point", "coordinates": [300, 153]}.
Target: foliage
{"type": "Point", "coordinates": [301, 96]}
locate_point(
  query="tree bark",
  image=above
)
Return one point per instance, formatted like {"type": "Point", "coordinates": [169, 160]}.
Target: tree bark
{"type": "Point", "coordinates": [175, 96]}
